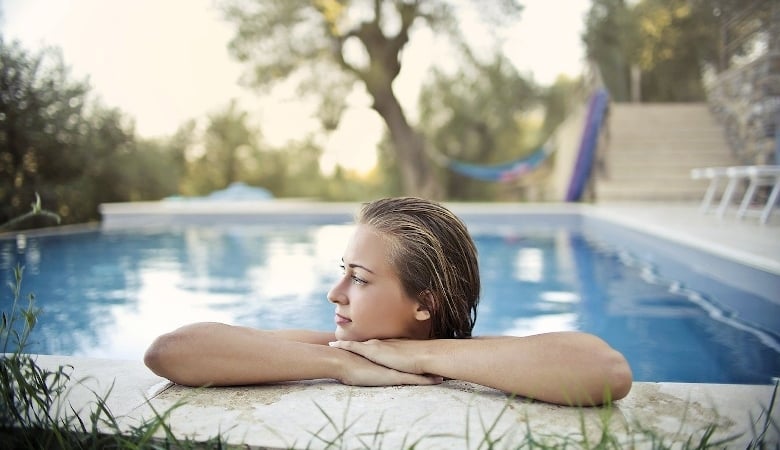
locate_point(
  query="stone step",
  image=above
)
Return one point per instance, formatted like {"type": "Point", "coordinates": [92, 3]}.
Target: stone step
{"type": "Point", "coordinates": [652, 149]}
{"type": "Point", "coordinates": [635, 152]}
{"type": "Point", "coordinates": [648, 192]}
{"type": "Point", "coordinates": [669, 136]}
{"type": "Point", "coordinates": [670, 175]}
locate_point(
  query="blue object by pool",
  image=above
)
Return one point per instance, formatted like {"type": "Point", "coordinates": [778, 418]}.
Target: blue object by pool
{"type": "Point", "coordinates": [236, 191]}
{"type": "Point", "coordinates": [109, 293]}
{"type": "Point", "coordinates": [586, 153]}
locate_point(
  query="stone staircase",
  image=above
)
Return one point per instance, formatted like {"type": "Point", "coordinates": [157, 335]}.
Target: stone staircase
{"type": "Point", "coordinates": [652, 149]}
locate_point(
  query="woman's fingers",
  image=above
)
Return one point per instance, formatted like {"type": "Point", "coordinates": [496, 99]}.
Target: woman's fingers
{"type": "Point", "coordinates": [396, 354]}
{"type": "Point", "coordinates": [360, 371]}
{"type": "Point", "coordinates": [352, 346]}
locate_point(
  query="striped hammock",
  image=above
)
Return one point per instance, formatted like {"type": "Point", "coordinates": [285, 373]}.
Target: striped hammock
{"type": "Point", "coordinates": [504, 172]}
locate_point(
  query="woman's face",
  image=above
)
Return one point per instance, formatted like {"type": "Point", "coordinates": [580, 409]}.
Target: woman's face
{"type": "Point", "coordinates": [370, 300]}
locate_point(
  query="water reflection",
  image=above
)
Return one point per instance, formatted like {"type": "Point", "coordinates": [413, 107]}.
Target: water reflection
{"type": "Point", "coordinates": [529, 264]}
{"type": "Point", "coordinates": [525, 326]}
{"type": "Point", "coordinates": [109, 294]}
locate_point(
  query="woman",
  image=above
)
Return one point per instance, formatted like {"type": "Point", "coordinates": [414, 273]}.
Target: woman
{"type": "Point", "coordinates": [404, 310]}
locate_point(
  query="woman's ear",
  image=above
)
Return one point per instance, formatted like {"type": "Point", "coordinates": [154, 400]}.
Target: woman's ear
{"type": "Point", "coordinates": [423, 312]}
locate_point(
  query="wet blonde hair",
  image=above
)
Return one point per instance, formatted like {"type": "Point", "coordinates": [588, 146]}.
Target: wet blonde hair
{"type": "Point", "coordinates": [432, 252]}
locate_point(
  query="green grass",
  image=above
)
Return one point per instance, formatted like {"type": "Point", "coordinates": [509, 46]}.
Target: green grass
{"type": "Point", "coordinates": [335, 435]}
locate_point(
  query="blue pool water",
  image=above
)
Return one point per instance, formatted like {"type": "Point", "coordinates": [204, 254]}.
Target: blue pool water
{"type": "Point", "coordinates": [109, 293]}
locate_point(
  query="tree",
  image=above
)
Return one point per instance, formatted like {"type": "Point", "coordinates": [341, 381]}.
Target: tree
{"type": "Point", "coordinates": [223, 152]}
{"type": "Point", "coordinates": [476, 115]}
{"type": "Point", "coordinates": [294, 171]}
{"type": "Point", "coordinates": [153, 170]}
{"type": "Point", "coordinates": [229, 142]}
{"type": "Point", "coordinates": [54, 141]}
{"type": "Point", "coordinates": [229, 149]}
{"type": "Point", "coordinates": [328, 45]}
{"type": "Point", "coordinates": [670, 41]}
{"type": "Point", "coordinates": [57, 142]}
{"type": "Point", "coordinates": [610, 41]}
{"type": "Point", "coordinates": [676, 41]}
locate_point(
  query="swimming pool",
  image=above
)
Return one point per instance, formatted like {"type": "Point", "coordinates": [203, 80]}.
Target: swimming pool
{"type": "Point", "coordinates": [673, 311]}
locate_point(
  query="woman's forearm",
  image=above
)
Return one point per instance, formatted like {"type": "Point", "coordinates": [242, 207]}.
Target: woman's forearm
{"type": "Point", "coordinates": [218, 354]}
{"type": "Point", "coordinates": [563, 368]}
{"type": "Point", "coordinates": [214, 354]}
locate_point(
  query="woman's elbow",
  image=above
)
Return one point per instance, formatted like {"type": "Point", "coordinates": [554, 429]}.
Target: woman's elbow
{"type": "Point", "coordinates": [160, 355]}
{"type": "Point", "coordinates": [619, 376]}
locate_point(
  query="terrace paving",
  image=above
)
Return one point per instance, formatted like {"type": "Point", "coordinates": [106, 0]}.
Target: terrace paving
{"type": "Point", "coordinates": [745, 240]}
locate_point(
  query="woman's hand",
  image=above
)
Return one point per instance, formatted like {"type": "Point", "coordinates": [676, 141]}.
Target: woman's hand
{"type": "Point", "coordinates": [568, 368]}
{"type": "Point", "coordinates": [358, 370]}
{"type": "Point", "coordinates": [399, 354]}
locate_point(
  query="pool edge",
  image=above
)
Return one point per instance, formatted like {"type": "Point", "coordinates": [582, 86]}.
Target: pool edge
{"type": "Point", "coordinates": [244, 415]}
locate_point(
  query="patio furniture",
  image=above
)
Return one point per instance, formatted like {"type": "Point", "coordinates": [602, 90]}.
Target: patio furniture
{"type": "Point", "coordinates": [760, 176]}
{"type": "Point", "coordinates": [715, 175]}
{"type": "Point", "coordinates": [757, 176]}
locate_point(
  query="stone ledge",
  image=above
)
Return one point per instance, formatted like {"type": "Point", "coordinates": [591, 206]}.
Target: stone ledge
{"type": "Point", "coordinates": [451, 415]}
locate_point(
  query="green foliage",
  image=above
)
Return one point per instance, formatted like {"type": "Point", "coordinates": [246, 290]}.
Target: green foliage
{"type": "Point", "coordinates": [676, 40]}
{"type": "Point", "coordinates": [229, 149]}
{"type": "Point", "coordinates": [71, 150]}
{"type": "Point", "coordinates": [559, 100]}
{"type": "Point", "coordinates": [479, 115]}
{"type": "Point", "coordinates": [608, 430]}
{"type": "Point", "coordinates": [327, 46]}
{"type": "Point", "coordinates": [670, 41]}
{"type": "Point", "coordinates": [225, 152]}
{"type": "Point", "coordinates": [295, 170]}
{"type": "Point", "coordinates": [41, 127]}
{"type": "Point", "coordinates": [610, 40]}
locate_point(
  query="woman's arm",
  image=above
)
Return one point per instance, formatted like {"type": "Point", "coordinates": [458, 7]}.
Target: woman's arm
{"type": "Point", "coordinates": [217, 354]}
{"type": "Point", "coordinates": [566, 368]}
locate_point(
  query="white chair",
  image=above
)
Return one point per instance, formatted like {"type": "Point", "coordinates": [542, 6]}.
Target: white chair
{"type": "Point", "coordinates": [715, 175]}
{"type": "Point", "coordinates": [756, 175]}
{"type": "Point", "coordinates": [760, 176]}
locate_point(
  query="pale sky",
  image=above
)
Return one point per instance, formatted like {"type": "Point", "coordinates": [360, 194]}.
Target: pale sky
{"type": "Point", "coordinates": [163, 62]}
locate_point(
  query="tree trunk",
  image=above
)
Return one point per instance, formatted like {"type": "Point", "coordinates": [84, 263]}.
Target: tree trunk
{"type": "Point", "coordinates": [417, 177]}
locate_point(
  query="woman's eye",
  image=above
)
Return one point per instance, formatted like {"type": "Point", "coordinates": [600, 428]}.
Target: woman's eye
{"type": "Point", "coordinates": [356, 280]}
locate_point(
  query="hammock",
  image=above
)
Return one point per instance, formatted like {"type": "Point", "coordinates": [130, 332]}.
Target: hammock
{"type": "Point", "coordinates": [504, 172]}
{"type": "Point", "coordinates": [512, 170]}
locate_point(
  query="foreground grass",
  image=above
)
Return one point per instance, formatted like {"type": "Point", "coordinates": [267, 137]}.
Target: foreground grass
{"type": "Point", "coordinates": [337, 433]}
{"type": "Point", "coordinates": [35, 413]}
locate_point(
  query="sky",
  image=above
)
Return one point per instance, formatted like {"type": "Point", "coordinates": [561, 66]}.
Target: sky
{"type": "Point", "coordinates": [164, 62]}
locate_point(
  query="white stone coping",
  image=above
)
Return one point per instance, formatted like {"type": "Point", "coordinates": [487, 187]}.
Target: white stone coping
{"type": "Point", "coordinates": [451, 415]}
{"type": "Point", "coordinates": [133, 214]}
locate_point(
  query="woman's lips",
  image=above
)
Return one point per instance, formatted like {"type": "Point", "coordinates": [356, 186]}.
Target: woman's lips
{"type": "Point", "coordinates": [341, 320]}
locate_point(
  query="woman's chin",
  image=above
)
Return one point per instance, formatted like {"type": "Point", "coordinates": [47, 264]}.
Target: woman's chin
{"type": "Point", "coordinates": [344, 335]}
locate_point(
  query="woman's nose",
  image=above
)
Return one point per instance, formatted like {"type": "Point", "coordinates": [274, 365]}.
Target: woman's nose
{"type": "Point", "coordinates": [336, 293]}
